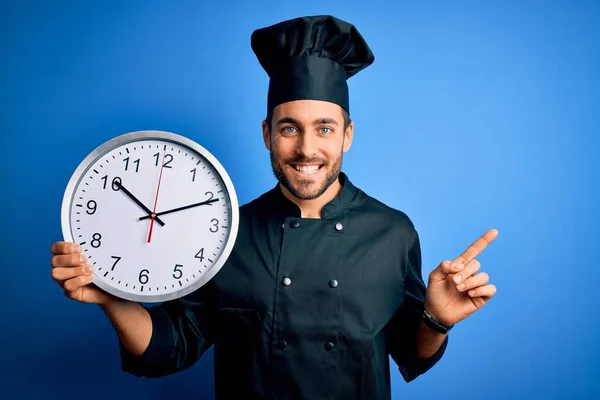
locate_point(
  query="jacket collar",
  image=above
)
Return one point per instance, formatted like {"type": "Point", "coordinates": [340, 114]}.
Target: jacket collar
{"type": "Point", "coordinates": [342, 201]}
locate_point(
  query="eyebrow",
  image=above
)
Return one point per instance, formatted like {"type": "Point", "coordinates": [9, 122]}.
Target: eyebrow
{"type": "Point", "coordinates": [318, 121]}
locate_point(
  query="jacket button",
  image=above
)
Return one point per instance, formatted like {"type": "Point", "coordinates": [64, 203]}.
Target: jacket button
{"type": "Point", "coordinates": [339, 226]}
{"type": "Point", "coordinates": [282, 344]}
{"type": "Point", "coordinates": [287, 281]}
{"type": "Point", "coordinates": [295, 224]}
{"type": "Point", "coordinates": [333, 283]}
{"type": "Point", "coordinates": [329, 346]}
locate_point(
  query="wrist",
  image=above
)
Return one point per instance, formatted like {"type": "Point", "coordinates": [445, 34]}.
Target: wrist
{"type": "Point", "coordinates": [434, 323]}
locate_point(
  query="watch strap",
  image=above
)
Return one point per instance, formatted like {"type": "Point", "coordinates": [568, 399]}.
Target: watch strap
{"type": "Point", "coordinates": [434, 324]}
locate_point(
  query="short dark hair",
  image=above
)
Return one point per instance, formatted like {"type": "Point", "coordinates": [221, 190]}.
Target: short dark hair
{"type": "Point", "coordinates": [345, 114]}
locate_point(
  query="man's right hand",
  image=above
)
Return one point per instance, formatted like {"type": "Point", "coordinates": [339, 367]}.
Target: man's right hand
{"type": "Point", "coordinates": [72, 272]}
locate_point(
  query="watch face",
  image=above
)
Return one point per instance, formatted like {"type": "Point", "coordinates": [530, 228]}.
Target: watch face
{"type": "Point", "coordinates": [155, 213]}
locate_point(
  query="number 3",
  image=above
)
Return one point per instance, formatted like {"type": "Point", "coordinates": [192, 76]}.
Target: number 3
{"type": "Point", "coordinates": [215, 225]}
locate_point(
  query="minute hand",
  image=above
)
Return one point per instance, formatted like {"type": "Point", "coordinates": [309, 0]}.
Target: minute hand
{"type": "Point", "coordinates": [202, 203]}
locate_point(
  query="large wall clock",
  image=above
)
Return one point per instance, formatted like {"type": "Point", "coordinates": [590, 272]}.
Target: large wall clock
{"type": "Point", "coordinates": [155, 213]}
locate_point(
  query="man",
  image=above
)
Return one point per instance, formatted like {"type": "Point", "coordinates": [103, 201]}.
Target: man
{"type": "Point", "coordinates": [324, 282]}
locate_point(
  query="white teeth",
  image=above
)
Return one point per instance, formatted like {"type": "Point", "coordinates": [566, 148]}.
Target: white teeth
{"type": "Point", "coordinates": [307, 169]}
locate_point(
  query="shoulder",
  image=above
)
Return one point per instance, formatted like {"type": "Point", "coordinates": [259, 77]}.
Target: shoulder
{"type": "Point", "coordinates": [257, 205]}
{"type": "Point", "coordinates": [393, 220]}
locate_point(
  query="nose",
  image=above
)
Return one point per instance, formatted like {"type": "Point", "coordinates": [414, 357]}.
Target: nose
{"type": "Point", "coordinates": [307, 145]}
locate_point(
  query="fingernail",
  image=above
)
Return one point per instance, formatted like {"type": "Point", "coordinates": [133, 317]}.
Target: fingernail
{"type": "Point", "coordinates": [87, 269]}
{"type": "Point", "coordinates": [471, 293]}
{"type": "Point", "coordinates": [461, 286]}
{"type": "Point", "coordinates": [82, 258]}
{"type": "Point", "coordinates": [457, 278]}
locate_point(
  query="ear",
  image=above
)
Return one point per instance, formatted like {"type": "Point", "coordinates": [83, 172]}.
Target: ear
{"type": "Point", "coordinates": [266, 135]}
{"type": "Point", "coordinates": [348, 136]}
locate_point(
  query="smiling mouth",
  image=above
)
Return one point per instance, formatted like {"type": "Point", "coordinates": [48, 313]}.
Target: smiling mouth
{"type": "Point", "coordinates": [307, 169]}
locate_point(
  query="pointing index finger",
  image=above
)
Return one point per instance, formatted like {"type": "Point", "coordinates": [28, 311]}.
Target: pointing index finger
{"type": "Point", "coordinates": [477, 247]}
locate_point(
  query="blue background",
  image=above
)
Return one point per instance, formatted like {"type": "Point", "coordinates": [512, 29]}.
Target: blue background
{"type": "Point", "coordinates": [474, 115]}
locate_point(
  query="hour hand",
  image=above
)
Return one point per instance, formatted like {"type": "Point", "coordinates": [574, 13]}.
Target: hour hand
{"type": "Point", "coordinates": [137, 201]}
{"type": "Point", "coordinates": [202, 203]}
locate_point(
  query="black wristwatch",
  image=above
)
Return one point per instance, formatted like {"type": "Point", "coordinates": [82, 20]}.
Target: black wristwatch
{"type": "Point", "coordinates": [435, 324]}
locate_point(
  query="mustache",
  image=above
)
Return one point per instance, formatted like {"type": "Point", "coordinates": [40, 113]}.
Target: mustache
{"type": "Point", "coordinates": [304, 160]}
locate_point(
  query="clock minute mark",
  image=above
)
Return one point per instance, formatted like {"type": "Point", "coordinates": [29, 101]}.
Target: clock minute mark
{"type": "Point", "coordinates": [210, 260]}
{"type": "Point", "coordinates": [106, 273]}
{"type": "Point", "coordinates": [187, 280]}
{"type": "Point", "coordinates": [82, 243]}
{"type": "Point", "coordinates": [197, 162]}
{"type": "Point", "coordinates": [79, 205]}
{"type": "Point", "coordinates": [95, 263]}
{"type": "Point", "coordinates": [220, 191]}
{"type": "Point", "coordinates": [180, 283]}
{"type": "Point", "coordinates": [127, 150]}
{"type": "Point", "coordinates": [112, 279]}
{"type": "Point", "coordinates": [141, 288]}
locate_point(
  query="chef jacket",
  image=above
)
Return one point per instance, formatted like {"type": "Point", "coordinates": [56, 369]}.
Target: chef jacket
{"type": "Point", "coordinates": [303, 308]}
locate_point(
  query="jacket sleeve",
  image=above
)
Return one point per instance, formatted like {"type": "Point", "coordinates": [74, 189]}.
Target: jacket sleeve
{"type": "Point", "coordinates": [181, 333]}
{"type": "Point", "coordinates": [405, 323]}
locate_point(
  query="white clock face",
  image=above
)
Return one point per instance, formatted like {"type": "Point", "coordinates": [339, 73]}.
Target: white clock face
{"type": "Point", "coordinates": [108, 207]}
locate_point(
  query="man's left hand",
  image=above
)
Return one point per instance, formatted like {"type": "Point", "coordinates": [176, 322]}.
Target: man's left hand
{"type": "Point", "coordinates": [455, 289]}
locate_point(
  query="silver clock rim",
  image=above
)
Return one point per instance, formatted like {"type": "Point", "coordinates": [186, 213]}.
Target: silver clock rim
{"type": "Point", "coordinates": [107, 146]}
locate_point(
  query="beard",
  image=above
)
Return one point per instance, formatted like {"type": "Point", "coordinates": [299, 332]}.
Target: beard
{"type": "Point", "coordinates": [305, 189]}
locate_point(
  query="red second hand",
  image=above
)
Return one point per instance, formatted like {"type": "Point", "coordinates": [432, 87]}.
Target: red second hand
{"type": "Point", "coordinates": [156, 198]}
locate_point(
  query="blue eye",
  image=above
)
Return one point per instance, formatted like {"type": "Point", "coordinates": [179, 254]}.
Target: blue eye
{"type": "Point", "coordinates": [288, 129]}
{"type": "Point", "coordinates": [325, 130]}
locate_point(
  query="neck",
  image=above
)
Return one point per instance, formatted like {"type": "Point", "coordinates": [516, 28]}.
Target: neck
{"type": "Point", "coordinates": [313, 208]}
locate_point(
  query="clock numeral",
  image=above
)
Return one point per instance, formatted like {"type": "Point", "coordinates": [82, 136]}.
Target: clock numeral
{"type": "Point", "coordinates": [200, 254]}
{"type": "Point", "coordinates": [193, 175]}
{"type": "Point", "coordinates": [143, 278]}
{"type": "Point", "coordinates": [117, 259]}
{"type": "Point", "coordinates": [215, 225]}
{"type": "Point", "coordinates": [211, 195]}
{"type": "Point", "coordinates": [178, 271]}
{"type": "Point", "coordinates": [136, 162]}
{"type": "Point", "coordinates": [91, 207]}
{"type": "Point", "coordinates": [96, 240]}
{"type": "Point", "coordinates": [166, 164]}
{"type": "Point", "coordinates": [114, 185]}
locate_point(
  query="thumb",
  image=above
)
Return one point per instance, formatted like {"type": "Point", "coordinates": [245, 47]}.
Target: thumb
{"type": "Point", "coordinates": [446, 268]}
